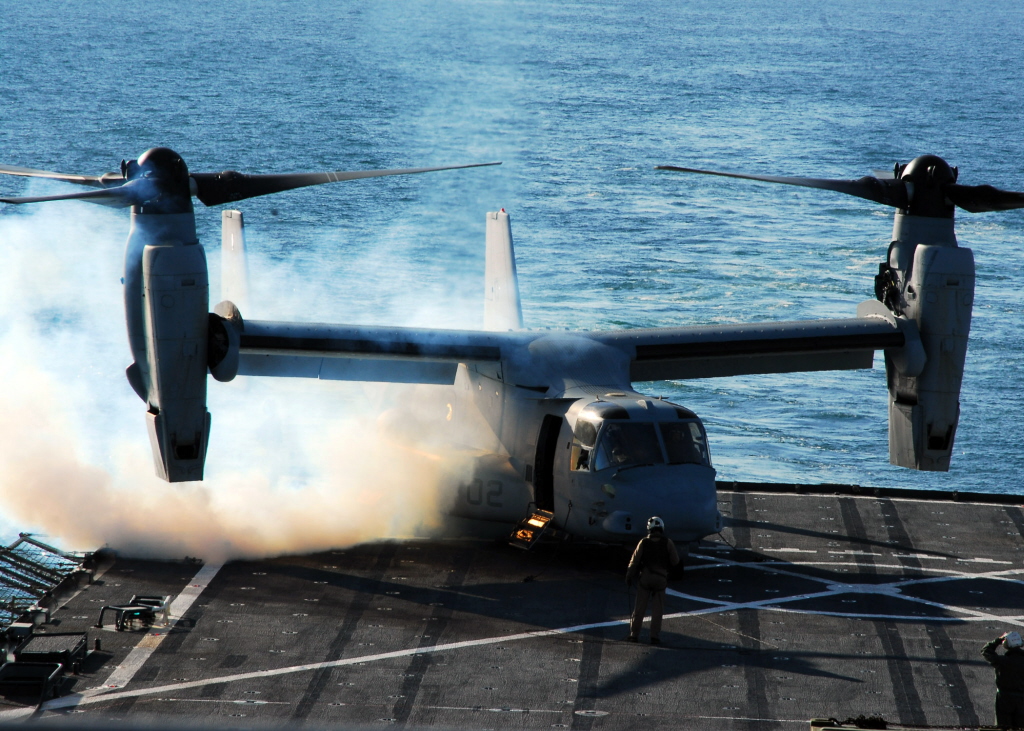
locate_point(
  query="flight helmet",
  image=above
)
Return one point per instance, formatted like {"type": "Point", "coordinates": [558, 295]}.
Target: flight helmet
{"type": "Point", "coordinates": [655, 523]}
{"type": "Point", "coordinates": [1012, 639]}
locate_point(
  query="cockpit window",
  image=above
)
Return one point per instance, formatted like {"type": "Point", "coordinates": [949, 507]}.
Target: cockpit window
{"type": "Point", "coordinates": [586, 433]}
{"type": "Point", "coordinates": [584, 436]}
{"type": "Point", "coordinates": [625, 444]}
{"type": "Point", "coordinates": [685, 442]}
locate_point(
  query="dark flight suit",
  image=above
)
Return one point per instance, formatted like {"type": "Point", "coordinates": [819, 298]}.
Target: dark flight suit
{"type": "Point", "coordinates": [653, 557]}
{"type": "Point", "coordinates": [1009, 683]}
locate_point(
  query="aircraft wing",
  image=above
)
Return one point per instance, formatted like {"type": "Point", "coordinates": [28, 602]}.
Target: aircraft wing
{"type": "Point", "coordinates": [677, 353]}
{"type": "Point", "coordinates": [362, 353]}
{"type": "Point", "coordinates": [428, 355]}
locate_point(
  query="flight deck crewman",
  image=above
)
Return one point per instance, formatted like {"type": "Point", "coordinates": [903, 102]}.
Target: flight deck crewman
{"type": "Point", "coordinates": [652, 559]}
{"type": "Point", "coordinates": [1009, 679]}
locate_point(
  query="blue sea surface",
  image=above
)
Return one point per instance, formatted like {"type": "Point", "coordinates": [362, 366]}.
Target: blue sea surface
{"type": "Point", "coordinates": [580, 100]}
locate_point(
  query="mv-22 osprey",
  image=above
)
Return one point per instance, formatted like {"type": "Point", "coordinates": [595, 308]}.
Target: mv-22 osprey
{"type": "Point", "coordinates": [567, 441]}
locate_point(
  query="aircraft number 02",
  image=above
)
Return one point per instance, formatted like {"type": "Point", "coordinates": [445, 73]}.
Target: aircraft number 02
{"type": "Point", "coordinates": [475, 494]}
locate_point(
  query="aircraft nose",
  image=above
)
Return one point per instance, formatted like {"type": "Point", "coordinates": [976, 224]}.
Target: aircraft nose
{"type": "Point", "coordinates": [699, 516]}
{"type": "Point", "coordinates": [683, 496]}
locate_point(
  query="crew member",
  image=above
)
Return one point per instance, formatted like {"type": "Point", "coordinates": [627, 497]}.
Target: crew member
{"type": "Point", "coordinates": [652, 559]}
{"type": "Point", "coordinates": [1009, 679]}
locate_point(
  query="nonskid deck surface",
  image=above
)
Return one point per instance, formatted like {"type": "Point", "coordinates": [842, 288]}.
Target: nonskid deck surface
{"type": "Point", "coordinates": [823, 605]}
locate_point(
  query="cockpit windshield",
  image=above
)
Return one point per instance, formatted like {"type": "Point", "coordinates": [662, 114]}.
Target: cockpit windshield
{"type": "Point", "coordinates": [626, 444]}
{"type": "Point", "coordinates": [684, 442]}
{"type": "Point", "coordinates": [602, 443]}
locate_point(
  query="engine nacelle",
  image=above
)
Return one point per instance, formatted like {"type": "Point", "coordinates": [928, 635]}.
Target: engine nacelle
{"type": "Point", "coordinates": [929, 280]}
{"type": "Point", "coordinates": [176, 311]}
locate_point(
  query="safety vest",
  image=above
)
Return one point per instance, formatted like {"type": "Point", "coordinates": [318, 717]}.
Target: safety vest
{"type": "Point", "coordinates": [655, 555]}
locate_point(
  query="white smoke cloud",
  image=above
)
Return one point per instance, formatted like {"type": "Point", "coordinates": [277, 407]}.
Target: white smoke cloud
{"type": "Point", "coordinates": [293, 465]}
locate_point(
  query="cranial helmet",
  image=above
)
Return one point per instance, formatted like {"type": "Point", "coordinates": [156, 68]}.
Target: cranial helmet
{"type": "Point", "coordinates": [655, 523]}
{"type": "Point", "coordinates": [1012, 639]}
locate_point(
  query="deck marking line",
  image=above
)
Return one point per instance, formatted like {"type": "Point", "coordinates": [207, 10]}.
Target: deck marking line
{"type": "Point", "coordinates": [770, 604]}
{"type": "Point", "coordinates": [481, 709]}
{"type": "Point", "coordinates": [219, 700]}
{"type": "Point", "coordinates": [744, 718]}
{"type": "Point", "coordinates": [82, 699]}
{"type": "Point", "coordinates": [149, 642]}
{"type": "Point", "coordinates": [118, 695]}
{"type": "Point", "coordinates": [773, 567]}
{"type": "Point", "coordinates": [984, 560]}
{"type": "Point", "coordinates": [854, 553]}
{"type": "Point", "coordinates": [891, 588]}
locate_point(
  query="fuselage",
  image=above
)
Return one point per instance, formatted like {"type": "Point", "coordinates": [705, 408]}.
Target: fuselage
{"type": "Point", "coordinates": [601, 457]}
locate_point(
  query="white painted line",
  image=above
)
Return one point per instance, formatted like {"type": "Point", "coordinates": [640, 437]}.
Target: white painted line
{"type": "Point", "coordinates": [118, 695]}
{"type": "Point", "coordinates": [138, 656]}
{"type": "Point", "coordinates": [853, 553]}
{"type": "Point", "coordinates": [479, 709]}
{"type": "Point", "coordinates": [856, 615]}
{"type": "Point", "coordinates": [775, 567]}
{"type": "Point", "coordinates": [788, 550]}
{"type": "Point", "coordinates": [124, 672]}
{"type": "Point", "coordinates": [744, 718]}
{"type": "Point", "coordinates": [721, 606]}
{"type": "Point", "coordinates": [893, 588]}
{"type": "Point", "coordinates": [223, 700]}
{"type": "Point", "coordinates": [771, 604]}
{"type": "Point", "coordinates": [983, 560]}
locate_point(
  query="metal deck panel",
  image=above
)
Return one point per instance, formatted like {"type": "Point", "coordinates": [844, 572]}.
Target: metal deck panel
{"type": "Point", "coordinates": [829, 605]}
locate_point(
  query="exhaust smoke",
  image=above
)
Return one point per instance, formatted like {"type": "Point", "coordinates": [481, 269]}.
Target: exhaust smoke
{"type": "Point", "coordinates": [294, 465]}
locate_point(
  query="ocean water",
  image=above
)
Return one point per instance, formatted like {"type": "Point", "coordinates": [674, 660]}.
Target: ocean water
{"type": "Point", "coordinates": [580, 101]}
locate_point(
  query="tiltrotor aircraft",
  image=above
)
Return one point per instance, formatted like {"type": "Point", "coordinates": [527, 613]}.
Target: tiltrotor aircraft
{"type": "Point", "coordinates": [564, 439]}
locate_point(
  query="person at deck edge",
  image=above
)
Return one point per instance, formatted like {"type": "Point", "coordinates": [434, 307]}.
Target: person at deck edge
{"type": "Point", "coordinates": [653, 557]}
{"type": "Point", "coordinates": [1009, 679]}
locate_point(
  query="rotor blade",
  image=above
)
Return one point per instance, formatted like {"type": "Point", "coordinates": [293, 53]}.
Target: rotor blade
{"type": "Point", "coordinates": [131, 193]}
{"type": "Point", "coordinates": [982, 198]}
{"type": "Point", "coordinates": [887, 192]}
{"type": "Point", "coordinates": [229, 186]}
{"type": "Point", "coordinates": [96, 181]}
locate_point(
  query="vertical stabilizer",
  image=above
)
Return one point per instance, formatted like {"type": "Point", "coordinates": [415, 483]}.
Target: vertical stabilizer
{"type": "Point", "coordinates": [502, 308]}
{"type": "Point", "coordinates": [234, 261]}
